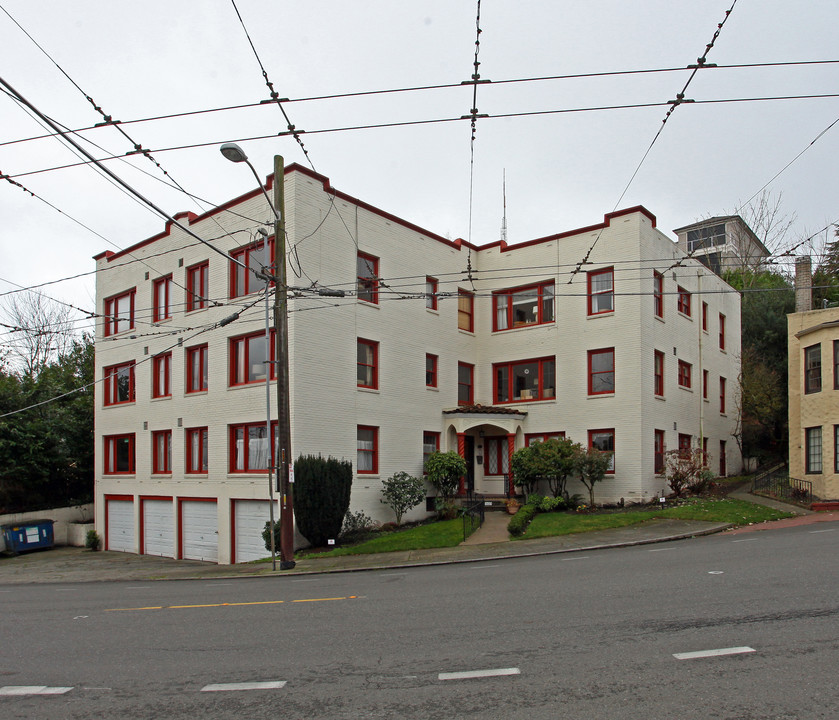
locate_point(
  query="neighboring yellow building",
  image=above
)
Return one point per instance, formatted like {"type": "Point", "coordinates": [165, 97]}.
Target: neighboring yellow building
{"type": "Point", "coordinates": [813, 346]}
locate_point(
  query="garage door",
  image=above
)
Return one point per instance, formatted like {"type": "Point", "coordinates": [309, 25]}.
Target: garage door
{"type": "Point", "coordinates": [249, 518]}
{"type": "Point", "coordinates": [158, 528]}
{"type": "Point", "coordinates": [120, 525]}
{"type": "Point", "coordinates": [199, 530]}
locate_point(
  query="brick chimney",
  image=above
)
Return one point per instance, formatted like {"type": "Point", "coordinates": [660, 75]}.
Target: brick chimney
{"type": "Point", "coordinates": [803, 284]}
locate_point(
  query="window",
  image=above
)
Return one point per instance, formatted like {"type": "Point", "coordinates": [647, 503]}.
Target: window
{"type": "Point", "coordinates": [685, 441]}
{"type": "Point", "coordinates": [684, 301]}
{"type": "Point", "coordinates": [497, 461]}
{"type": "Point", "coordinates": [836, 448]}
{"type": "Point", "coordinates": [722, 395]}
{"type": "Point", "coordinates": [684, 374]}
{"type": "Point", "coordinates": [367, 461]}
{"type": "Point", "coordinates": [704, 384]}
{"type": "Point", "coordinates": [119, 313]}
{"type": "Point", "coordinates": [813, 450]}
{"type": "Point", "coordinates": [658, 373]}
{"type": "Point", "coordinates": [836, 364]}
{"type": "Point", "coordinates": [196, 450]}
{"type": "Point", "coordinates": [119, 384]}
{"type": "Point", "coordinates": [431, 293]}
{"type": "Point", "coordinates": [531, 305]}
{"type": "Point", "coordinates": [367, 357]}
{"type": "Point", "coordinates": [601, 292]}
{"type": "Point", "coordinates": [813, 369]}
{"type": "Point", "coordinates": [603, 440]}
{"type": "Point", "coordinates": [161, 385]}
{"type": "Point", "coordinates": [705, 316]}
{"type": "Point", "coordinates": [658, 456]}
{"type": "Point", "coordinates": [658, 294]}
{"type": "Point", "coordinates": [367, 271]}
{"type": "Point", "coordinates": [722, 331]}
{"type": "Point", "coordinates": [706, 237]}
{"type": "Point", "coordinates": [161, 443]}
{"type": "Point", "coordinates": [430, 444]}
{"type": "Point", "coordinates": [251, 357]}
{"type": "Point", "coordinates": [601, 371]}
{"type": "Point", "coordinates": [465, 373]}
{"type": "Point", "coordinates": [245, 281]}
{"type": "Point", "coordinates": [723, 470]}
{"type": "Point", "coordinates": [196, 369]}
{"type": "Point", "coordinates": [249, 447]}
{"type": "Point", "coordinates": [119, 454]}
{"type": "Point", "coordinates": [431, 371]}
{"type": "Point", "coordinates": [161, 291]}
{"type": "Point", "coordinates": [197, 286]}
{"type": "Point", "coordinates": [465, 310]}
{"type": "Point", "coordinates": [525, 380]}
{"type": "Point", "coordinates": [531, 438]}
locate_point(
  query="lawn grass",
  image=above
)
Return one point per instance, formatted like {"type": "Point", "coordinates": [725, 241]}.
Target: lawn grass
{"type": "Point", "coordinates": [446, 533]}
{"type": "Point", "coordinates": [728, 510]}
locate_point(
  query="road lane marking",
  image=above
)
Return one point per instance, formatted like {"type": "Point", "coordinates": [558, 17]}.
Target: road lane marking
{"type": "Point", "coordinates": [572, 559]}
{"type": "Point", "coordinates": [813, 532]}
{"type": "Point", "coordinates": [229, 604]}
{"type": "Point", "coordinates": [713, 653]}
{"type": "Point", "coordinates": [226, 687]}
{"type": "Point", "coordinates": [716, 572]}
{"type": "Point", "coordinates": [33, 690]}
{"type": "Point", "coordinates": [483, 567]}
{"type": "Point", "coordinates": [138, 587]}
{"type": "Point", "coordinates": [747, 540]}
{"type": "Point", "coordinates": [470, 674]}
{"type": "Point", "coordinates": [660, 549]}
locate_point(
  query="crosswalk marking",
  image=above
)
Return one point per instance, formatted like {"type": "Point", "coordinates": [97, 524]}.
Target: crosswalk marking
{"type": "Point", "coordinates": [713, 653]}
{"type": "Point", "coordinates": [224, 687]}
{"type": "Point", "coordinates": [469, 674]}
{"type": "Point", "coordinates": [33, 690]}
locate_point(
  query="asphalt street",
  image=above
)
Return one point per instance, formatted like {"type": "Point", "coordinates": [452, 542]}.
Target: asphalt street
{"type": "Point", "coordinates": [609, 634]}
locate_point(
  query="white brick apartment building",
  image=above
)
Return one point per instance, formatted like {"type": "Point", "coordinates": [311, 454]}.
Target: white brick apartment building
{"type": "Point", "coordinates": [634, 353]}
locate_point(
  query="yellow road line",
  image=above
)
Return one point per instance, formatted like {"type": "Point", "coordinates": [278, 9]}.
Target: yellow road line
{"type": "Point", "coordinates": [229, 604]}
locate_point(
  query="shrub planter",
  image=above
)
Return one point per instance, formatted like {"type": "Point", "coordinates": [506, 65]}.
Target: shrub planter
{"type": "Point", "coordinates": [77, 533]}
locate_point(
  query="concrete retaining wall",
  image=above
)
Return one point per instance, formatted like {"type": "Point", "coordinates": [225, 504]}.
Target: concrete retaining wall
{"type": "Point", "coordinates": [70, 523]}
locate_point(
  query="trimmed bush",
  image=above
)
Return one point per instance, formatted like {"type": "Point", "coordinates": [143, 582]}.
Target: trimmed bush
{"type": "Point", "coordinates": [519, 522]}
{"type": "Point", "coordinates": [321, 496]}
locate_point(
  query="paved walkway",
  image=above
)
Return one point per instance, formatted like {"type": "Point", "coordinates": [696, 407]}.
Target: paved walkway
{"type": "Point", "coordinates": [491, 542]}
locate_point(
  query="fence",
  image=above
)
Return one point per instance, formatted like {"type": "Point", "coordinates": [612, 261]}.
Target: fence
{"type": "Point", "coordinates": [776, 482]}
{"type": "Point", "coordinates": [473, 517]}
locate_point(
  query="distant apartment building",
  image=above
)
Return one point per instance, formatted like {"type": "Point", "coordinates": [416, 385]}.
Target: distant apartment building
{"type": "Point", "coordinates": [723, 243]}
{"type": "Point", "coordinates": [437, 345]}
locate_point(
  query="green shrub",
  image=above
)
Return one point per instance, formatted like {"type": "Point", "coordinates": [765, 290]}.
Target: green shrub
{"type": "Point", "coordinates": [444, 470]}
{"type": "Point", "coordinates": [519, 522]}
{"type": "Point", "coordinates": [553, 504]}
{"type": "Point", "coordinates": [92, 540]}
{"type": "Point", "coordinates": [321, 496]}
{"type": "Point", "coordinates": [266, 535]}
{"type": "Point", "coordinates": [357, 524]}
{"type": "Point", "coordinates": [401, 492]}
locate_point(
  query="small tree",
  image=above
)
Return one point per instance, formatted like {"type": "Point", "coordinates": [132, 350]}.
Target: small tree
{"type": "Point", "coordinates": [401, 492]}
{"type": "Point", "coordinates": [444, 470]}
{"type": "Point", "coordinates": [553, 460]}
{"type": "Point", "coordinates": [321, 496]}
{"type": "Point", "coordinates": [592, 465]}
{"type": "Point", "coordinates": [686, 471]}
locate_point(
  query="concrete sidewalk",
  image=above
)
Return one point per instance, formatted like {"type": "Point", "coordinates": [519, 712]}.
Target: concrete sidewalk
{"type": "Point", "coordinates": [491, 542]}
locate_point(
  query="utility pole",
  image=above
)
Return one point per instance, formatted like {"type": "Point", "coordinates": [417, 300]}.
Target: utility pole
{"type": "Point", "coordinates": [284, 458]}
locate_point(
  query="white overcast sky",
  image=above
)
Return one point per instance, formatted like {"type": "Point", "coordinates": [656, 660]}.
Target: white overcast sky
{"type": "Point", "coordinates": [157, 57]}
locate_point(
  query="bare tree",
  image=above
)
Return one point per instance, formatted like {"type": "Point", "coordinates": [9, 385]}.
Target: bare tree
{"type": "Point", "coordinates": [41, 331]}
{"type": "Point", "coordinates": [766, 217]}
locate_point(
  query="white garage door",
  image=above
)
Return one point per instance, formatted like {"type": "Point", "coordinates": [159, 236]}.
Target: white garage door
{"type": "Point", "coordinates": [120, 525]}
{"type": "Point", "coordinates": [158, 528]}
{"type": "Point", "coordinates": [199, 530]}
{"type": "Point", "coordinates": [250, 517]}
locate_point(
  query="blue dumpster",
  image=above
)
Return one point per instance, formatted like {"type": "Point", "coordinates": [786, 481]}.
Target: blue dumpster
{"type": "Point", "coordinates": [29, 535]}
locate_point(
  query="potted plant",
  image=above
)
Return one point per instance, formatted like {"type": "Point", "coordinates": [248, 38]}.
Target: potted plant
{"type": "Point", "coordinates": [513, 506]}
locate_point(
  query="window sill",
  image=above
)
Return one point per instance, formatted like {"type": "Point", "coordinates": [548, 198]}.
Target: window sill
{"type": "Point", "coordinates": [659, 397]}
{"type": "Point", "coordinates": [118, 405]}
{"type": "Point", "coordinates": [686, 389]}
{"type": "Point", "coordinates": [598, 396]}
{"type": "Point", "coordinates": [433, 311]}
{"type": "Point", "coordinates": [596, 316]}
{"type": "Point", "coordinates": [434, 388]}
{"type": "Point", "coordinates": [686, 317]}
{"type": "Point", "coordinates": [161, 476]}
{"type": "Point", "coordinates": [190, 393]}
{"type": "Point", "coordinates": [241, 386]}
{"type": "Point", "coordinates": [196, 475]}
{"type": "Point", "coordinates": [368, 303]}
{"type": "Point", "coordinates": [659, 318]}
{"type": "Point", "coordinates": [466, 332]}
{"type": "Point", "coordinates": [524, 326]}
{"type": "Point", "coordinates": [161, 397]}
{"type": "Point", "coordinates": [374, 391]}
{"type": "Point", "coordinates": [544, 401]}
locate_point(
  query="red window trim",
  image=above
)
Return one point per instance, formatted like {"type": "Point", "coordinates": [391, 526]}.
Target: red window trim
{"type": "Point", "coordinates": [161, 306]}
{"type": "Point", "coordinates": [658, 373]}
{"type": "Point", "coordinates": [497, 445]}
{"type": "Point", "coordinates": [166, 360]}
{"type": "Point", "coordinates": [197, 298]}
{"type": "Point", "coordinates": [431, 293]}
{"type": "Point", "coordinates": [722, 331]}
{"type": "Point", "coordinates": [431, 375]}
{"type": "Point", "coordinates": [658, 294]}
{"type": "Point", "coordinates": [722, 395]}
{"type": "Point", "coordinates": [161, 465]}
{"type": "Point", "coordinates": [684, 301]}
{"type": "Point", "coordinates": [203, 351]}
{"type": "Point", "coordinates": [110, 320]}
{"type": "Point", "coordinates": [658, 452]}
{"type": "Point", "coordinates": [591, 373]}
{"type": "Point", "coordinates": [705, 316]}
{"type": "Point", "coordinates": [374, 453]}
{"type": "Point", "coordinates": [812, 380]}
{"type": "Point", "coordinates": [470, 385]}
{"type": "Point", "coordinates": [591, 434]}
{"type": "Point", "coordinates": [368, 285]}
{"type": "Point", "coordinates": [723, 464]}
{"type": "Point", "coordinates": [685, 442]}
{"type": "Point", "coordinates": [836, 374]}
{"type": "Point", "coordinates": [243, 255]}
{"type": "Point", "coordinates": [465, 310]}
{"type": "Point", "coordinates": [539, 289]}
{"type": "Point", "coordinates": [188, 433]}
{"type": "Point", "coordinates": [591, 295]}
{"type": "Point", "coordinates": [374, 366]}
{"type": "Point", "coordinates": [231, 448]}
{"type": "Point", "coordinates": [705, 377]}
{"type": "Point", "coordinates": [685, 371]}
{"type": "Point", "coordinates": [540, 381]}
{"type": "Point", "coordinates": [110, 373]}
{"type": "Point", "coordinates": [530, 437]}
{"type": "Point", "coordinates": [109, 456]}
{"type": "Point", "coordinates": [428, 434]}
{"type": "Point", "coordinates": [233, 355]}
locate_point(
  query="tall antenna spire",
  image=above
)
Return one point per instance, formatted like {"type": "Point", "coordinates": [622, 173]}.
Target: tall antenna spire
{"type": "Point", "coordinates": [504, 216]}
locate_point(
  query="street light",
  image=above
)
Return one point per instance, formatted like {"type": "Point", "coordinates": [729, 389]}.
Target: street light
{"type": "Point", "coordinates": [235, 154]}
